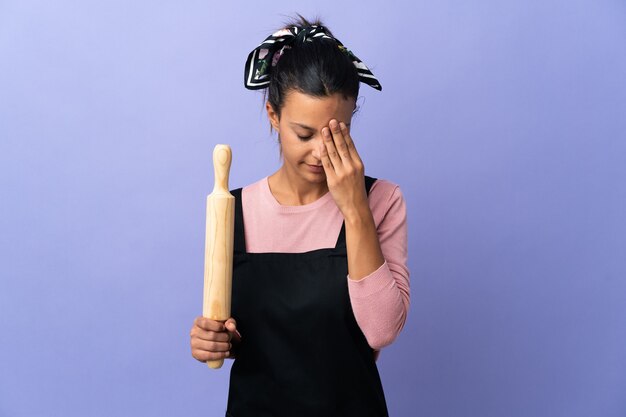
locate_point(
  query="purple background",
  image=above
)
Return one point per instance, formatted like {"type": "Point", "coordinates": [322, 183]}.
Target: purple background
{"type": "Point", "coordinates": [503, 122]}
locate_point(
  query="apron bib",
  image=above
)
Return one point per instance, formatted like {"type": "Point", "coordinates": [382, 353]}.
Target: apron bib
{"type": "Point", "coordinates": [302, 353]}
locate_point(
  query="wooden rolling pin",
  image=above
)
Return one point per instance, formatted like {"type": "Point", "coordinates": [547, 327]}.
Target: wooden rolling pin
{"type": "Point", "coordinates": [218, 253]}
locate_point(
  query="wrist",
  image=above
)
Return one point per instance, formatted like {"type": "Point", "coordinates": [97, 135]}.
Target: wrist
{"type": "Point", "coordinates": [359, 215]}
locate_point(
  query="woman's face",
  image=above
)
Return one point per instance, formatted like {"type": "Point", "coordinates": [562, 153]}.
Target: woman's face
{"type": "Point", "coordinates": [300, 130]}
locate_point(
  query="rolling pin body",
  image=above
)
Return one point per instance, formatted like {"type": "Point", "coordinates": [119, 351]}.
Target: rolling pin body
{"type": "Point", "coordinates": [218, 254]}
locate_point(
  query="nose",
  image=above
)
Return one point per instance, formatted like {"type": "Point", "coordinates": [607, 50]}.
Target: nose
{"type": "Point", "coordinates": [317, 144]}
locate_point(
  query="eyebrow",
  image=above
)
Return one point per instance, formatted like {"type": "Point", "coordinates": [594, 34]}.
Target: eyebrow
{"type": "Point", "coordinates": [308, 127]}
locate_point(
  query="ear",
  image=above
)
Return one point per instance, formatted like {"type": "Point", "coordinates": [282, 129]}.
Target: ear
{"type": "Point", "coordinates": [273, 116]}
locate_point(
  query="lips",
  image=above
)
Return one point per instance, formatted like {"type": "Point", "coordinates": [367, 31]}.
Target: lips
{"type": "Point", "coordinates": [317, 169]}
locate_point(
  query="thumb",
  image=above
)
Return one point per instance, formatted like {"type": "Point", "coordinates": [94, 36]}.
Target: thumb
{"type": "Point", "coordinates": [231, 326]}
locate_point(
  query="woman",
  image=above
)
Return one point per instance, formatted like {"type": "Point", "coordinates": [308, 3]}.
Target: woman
{"type": "Point", "coordinates": [320, 281]}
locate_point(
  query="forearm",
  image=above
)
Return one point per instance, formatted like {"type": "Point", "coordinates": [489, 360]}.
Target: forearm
{"type": "Point", "coordinates": [380, 304]}
{"type": "Point", "coordinates": [362, 245]}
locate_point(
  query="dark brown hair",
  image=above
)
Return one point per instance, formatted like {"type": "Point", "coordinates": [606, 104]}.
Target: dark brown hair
{"type": "Point", "coordinates": [317, 68]}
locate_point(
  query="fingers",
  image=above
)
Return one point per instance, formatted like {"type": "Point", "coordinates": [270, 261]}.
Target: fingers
{"type": "Point", "coordinates": [338, 147]}
{"type": "Point", "coordinates": [206, 350]}
{"type": "Point", "coordinates": [201, 330]}
{"type": "Point", "coordinates": [204, 355]}
{"type": "Point", "coordinates": [209, 346]}
{"type": "Point", "coordinates": [209, 335]}
{"type": "Point", "coordinates": [339, 141]}
{"type": "Point", "coordinates": [330, 158]}
{"type": "Point", "coordinates": [349, 142]}
{"type": "Point", "coordinates": [208, 324]}
{"type": "Point", "coordinates": [211, 339]}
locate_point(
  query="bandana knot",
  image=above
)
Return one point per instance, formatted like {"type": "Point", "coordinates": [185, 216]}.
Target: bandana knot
{"type": "Point", "coordinates": [265, 56]}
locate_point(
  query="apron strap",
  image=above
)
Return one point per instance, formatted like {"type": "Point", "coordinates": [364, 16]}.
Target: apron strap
{"type": "Point", "coordinates": [341, 240]}
{"type": "Point", "coordinates": [239, 244]}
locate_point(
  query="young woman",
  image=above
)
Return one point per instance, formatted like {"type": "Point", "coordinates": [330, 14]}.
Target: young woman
{"type": "Point", "coordinates": [320, 277]}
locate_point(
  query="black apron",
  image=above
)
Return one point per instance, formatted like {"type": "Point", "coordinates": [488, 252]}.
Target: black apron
{"type": "Point", "coordinates": [302, 352]}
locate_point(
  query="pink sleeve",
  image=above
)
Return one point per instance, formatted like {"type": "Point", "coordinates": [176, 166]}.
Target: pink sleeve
{"type": "Point", "coordinates": [380, 301]}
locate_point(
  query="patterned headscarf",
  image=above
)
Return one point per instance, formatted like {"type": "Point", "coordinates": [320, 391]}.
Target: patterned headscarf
{"type": "Point", "coordinates": [265, 56]}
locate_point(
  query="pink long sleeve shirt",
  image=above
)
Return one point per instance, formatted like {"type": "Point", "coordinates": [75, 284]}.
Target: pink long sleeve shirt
{"type": "Point", "coordinates": [380, 301]}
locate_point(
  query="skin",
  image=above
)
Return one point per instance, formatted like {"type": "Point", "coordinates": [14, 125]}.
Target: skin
{"type": "Point", "coordinates": [325, 142]}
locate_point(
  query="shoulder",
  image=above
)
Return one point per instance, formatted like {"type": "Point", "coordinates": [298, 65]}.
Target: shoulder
{"type": "Point", "coordinates": [387, 203]}
{"type": "Point", "coordinates": [252, 188]}
{"type": "Point", "coordinates": [384, 192]}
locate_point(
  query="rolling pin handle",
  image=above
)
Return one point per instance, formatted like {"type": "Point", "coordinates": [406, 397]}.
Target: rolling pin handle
{"type": "Point", "coordinates": [222, 157]}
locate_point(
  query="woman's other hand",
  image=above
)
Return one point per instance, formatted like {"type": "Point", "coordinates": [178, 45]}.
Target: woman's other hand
{"type": "Point", "coordinates": [212, 339]}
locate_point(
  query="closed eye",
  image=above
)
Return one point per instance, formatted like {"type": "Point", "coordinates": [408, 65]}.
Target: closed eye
{"type": "Point", "coordinates": [305, 137]}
